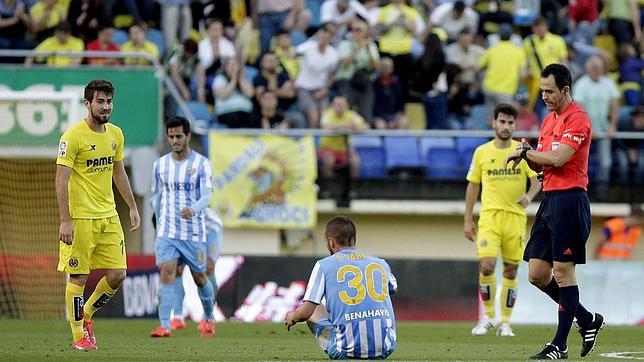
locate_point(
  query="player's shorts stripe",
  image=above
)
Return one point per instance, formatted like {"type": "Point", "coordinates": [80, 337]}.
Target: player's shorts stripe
{"type": "Point", "coordinates": [338, 338]}
{"type": "Point", "coordinates": [348, 334]}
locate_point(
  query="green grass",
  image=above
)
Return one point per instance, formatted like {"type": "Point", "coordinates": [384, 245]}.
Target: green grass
{"type": "Point", "coordinates": [123, 340]}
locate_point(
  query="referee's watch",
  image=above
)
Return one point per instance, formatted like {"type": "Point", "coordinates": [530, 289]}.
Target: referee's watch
{"type": "Point", "coordinates": [524, 153]}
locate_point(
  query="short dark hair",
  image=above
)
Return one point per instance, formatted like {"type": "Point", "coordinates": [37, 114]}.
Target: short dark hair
{"type": "Point", "coordinates": [178, 121]}
{"type": "Point", "coordinates": [64, 27]}
{"type": "Point", "coordinates": [98, 85]}
{"type": "Point", "coordinates": [539, 20]}
{"type": "Point", "coordinates": [459, 6]}
{"type": "Point", "coordinates": [505, 109]}
{"type": "Point", "coordinates": [342, 229]}
{"type": "Point", "coordinates": [561, 74]}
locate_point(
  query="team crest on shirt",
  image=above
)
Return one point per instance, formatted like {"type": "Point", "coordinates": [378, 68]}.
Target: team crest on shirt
{"type": "Point", "coordinates": [191, 171]}
{"type": "Point", "coordinates": [62, 149]}
{"type": "Point", "coordinates": [73, 262]}
{"type": "Point", "coordinates": [113, 145]}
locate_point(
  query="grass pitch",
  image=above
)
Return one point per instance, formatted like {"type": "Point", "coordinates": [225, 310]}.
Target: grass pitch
{"type": "Point", "coordinates": [127, 340]}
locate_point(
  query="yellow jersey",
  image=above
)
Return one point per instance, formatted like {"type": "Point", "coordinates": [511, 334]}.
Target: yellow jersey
{"type": "Point", "coordinates": [147, 47]}
{"type": "Point", "coordinates": [91, 156]}
{"type": "Point", "coordinates": [52, 44]}
{"type": "Point", "coordinates": [551, 49]}
{"type": "Point", "coordinates": [396, 40]}
{"type": "Point", "coordinates": [501, 187]}
{"type": "Point", "coordinates": [503, 63]}
{"type": "Point", "coordinates": [330, 117]}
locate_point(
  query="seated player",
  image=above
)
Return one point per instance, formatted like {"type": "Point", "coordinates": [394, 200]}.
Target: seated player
{"type": "Point", "coordinates": [357, 319]}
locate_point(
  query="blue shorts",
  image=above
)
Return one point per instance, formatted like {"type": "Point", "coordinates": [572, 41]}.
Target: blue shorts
{"type": "Point", "coordinates": [213, 244]}
{"type": "Point", "coordinates": [190, 253]}
{"type": "Point", "coordinates": [325, 335]}
{"type": "Point", "coordinates": [561, 228]}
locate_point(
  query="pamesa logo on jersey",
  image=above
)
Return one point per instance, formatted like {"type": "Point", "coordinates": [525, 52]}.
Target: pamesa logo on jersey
{"type": "Point", "coordinates": [100, 164]}
{"type": "Point", "coordinates": [504, 172]}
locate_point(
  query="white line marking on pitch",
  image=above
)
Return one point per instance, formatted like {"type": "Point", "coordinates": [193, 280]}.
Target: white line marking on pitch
{"type": "Point", "coordinates": [623, 355]}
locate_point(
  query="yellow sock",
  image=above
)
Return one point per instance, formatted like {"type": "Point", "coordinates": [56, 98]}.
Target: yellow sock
{"type": "Point", "coordinates": [102, 294]}
{"type": "Point", "coordinates": [508, 297]}
{"type": "Point", "coordinates": [74, 303]}
{"type": "Point", "coordinates": [487, 289]}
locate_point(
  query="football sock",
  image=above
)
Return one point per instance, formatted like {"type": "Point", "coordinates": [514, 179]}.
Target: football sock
{"type": "Point", "coordinates": [487, 289]}
{"type": "Point", "coordinates": [508, 298]}
{"type": "Point", "coordinates": [215, 287]}
{"type": "Point", "coordinates": [206, 293]}
{"type": "Point", "coordinates": [179, 294]}
{"type": "Point", "coordinates": [102, 294]}
{"type": "Point", "coordinates": [568, 302]}
{"type": "Point", "coordinates": [74, 302]}
{"type": "Point", "coordinates": [584, 317]}
{"type": "Point", "coordinates": [166, 299]}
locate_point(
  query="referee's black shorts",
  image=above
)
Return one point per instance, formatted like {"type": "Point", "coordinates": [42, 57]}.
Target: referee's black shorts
{"type": "Point", "coordinates": [561, 228]}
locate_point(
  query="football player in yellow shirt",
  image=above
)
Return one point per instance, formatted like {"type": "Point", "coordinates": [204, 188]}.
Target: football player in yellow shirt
{"type": "Point", "coordinates": [90, 156]}
{"type": "Point", "coordinates": [502, 219]}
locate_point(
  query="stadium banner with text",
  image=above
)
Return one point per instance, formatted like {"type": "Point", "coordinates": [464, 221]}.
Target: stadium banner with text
{"type": "Point", "coordinates": [33, 114]}
{"type": "Point", "coordinates": [264, 181]}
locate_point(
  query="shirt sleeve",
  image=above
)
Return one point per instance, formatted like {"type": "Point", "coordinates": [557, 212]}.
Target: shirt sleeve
{"type": "Point", "coordinates": [577, 130]}
{"type": "Point", "coordinates": [120, 143]}
{"type": "Point", "coordinates": [315, 287]}
{"type": "Point", "coordinates": [156, 178]}
{"type": "Point", "coordinates": [206, 174]}
{"type": "Point", "coordinates": [67, 150]}
{"type": "Point", "coordinates": [392, 282]}
{"type": "Point", "coordinates": [474, 173]}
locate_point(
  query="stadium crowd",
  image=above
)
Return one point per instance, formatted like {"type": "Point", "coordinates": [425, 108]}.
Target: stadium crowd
{"type": "Point", "coordinates": [280, 63]}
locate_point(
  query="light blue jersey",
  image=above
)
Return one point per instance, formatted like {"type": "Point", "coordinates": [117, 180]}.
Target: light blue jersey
{"type": "Point", "coordinates": [356, 287]}
{"type": "Point", "coordinates": [181, 184]}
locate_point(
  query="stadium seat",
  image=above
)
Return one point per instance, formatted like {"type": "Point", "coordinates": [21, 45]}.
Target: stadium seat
{"type": "Point", "coordinates": [402, 154]}
{"type": "Point", "coordinates": [444, 164]}
{"type": "Point", "coordinates": [427, 143]}
{"type": "Point", "coordinates": [156, 37]}
{"type": "Point", "coordinates": [465, 147]}
{"type": "Point", "coordinates": [372, 156]}
{"type": "Point", "coordinates": [119, 37]}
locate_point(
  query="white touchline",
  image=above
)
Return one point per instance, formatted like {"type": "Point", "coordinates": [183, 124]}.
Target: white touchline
{"type": "Point", "coordinates": [623, 355]}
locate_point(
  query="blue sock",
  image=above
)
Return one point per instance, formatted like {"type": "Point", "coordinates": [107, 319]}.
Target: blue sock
{"type": "Point", "coordinates": [179, 293]}
{"type": "Point", "coordinates": [584, 317]}
{"type": "Point", "coordinates": [166, 294]}
{"type": "Point", "coordinates": [206, 293]}
{"type": "Point", "coordinates": [215, 287]}
{"type": "Point", "coordinates": [568, 303]}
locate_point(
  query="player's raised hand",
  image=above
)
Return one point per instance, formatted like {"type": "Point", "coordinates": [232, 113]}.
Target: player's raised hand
{"type": "Point", "coordinates": [135, 219]}
{"type": "Point", "coordinates": [187, 213]}
{"type": "Point", "coordinates": [514, 158]}
{"type": "Point", "coordinates": [289, 321]}
{"type": "Point", "coordinates": [66, 232]}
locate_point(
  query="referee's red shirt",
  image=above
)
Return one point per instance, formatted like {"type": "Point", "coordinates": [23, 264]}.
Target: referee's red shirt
{"type": "Point", "coordinates": [571, 128]}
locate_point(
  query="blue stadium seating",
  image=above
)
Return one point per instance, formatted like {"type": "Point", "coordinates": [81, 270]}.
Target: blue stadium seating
{"type": "Point", "coordinates": [156, 37]}
{"type": "Point", "coordinates": [444, 164]}
{"type": "Point", "coordinates": [402, 153]}
{"type": "Point", "coordinates": [372, 156]}
{"type": "Point", "coordinates": [479, 117]}
{"type": "Point", "coordinates": [465, 147]}
{"type": "Point", "coordinates": [427, 143]}
{"type": "Point", "coordinates": [119, 37]}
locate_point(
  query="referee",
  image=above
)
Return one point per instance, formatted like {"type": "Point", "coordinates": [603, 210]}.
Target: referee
{"type": "Point", "coordinates": [562, 224]}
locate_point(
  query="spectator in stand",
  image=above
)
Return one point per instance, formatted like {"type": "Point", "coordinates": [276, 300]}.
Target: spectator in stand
{"type": "Point", "coordinates": [359, 60]}
{"type": "Point", "coordinates": [213, 50]}
{"type": "Point", "coordinates": [342, 13]}
{"type": "Point", "coordinates": [186, 72]}
{"type": "Point", "coordinates": [397, 26]}
{"type": "Point", "coordinates": [599, 96]}
{"type": "Point", "coordinates": [466, 55]}
{"type": "Point", "coordinates": [286, 54]}
{"type": "Point", "coordinates": [103, 43]}
{"type": "Point", "coordinates": [624, 20]}
{"type": "Point", "coordinates": [542, 48]}
{"type": "Point", "coordinates": [372, 7]}
{"type": "Point", "coordinates": [334, 150]}
{"type": "Point", "coordinates": [527, 120]}
{"type": "Point", "coordinates": [425, 81]}
{"type": "Point", "coordinates": [14, 23]}
{"type": "Point", "coordinates": [270, 16]}
{"type": "Point", "coordinates": [454, 18]}
{"type": "Point", "coordinates": [630, 74]}
{"type": "Point", "coordinates": [176, 20]}
{"type": "Point", "coordinates": [621, 235]}
{"type": "Point", "coordinates": [582, 11]}
{"type": "Point", "coordinates": [45, 15]}
{"type": "Point", "coordinates": [268, 115]}
{"type": "Point", "coordinates": [297, 21]}
{"type": "Point", "coordinates": [85, 16]}
{"type": "Point", "coordinates": [630, 152]}
{"type": "Point", "coordinates": [233, 94]}
{"type": "Point", "coordinates": [271, 79]}
{"type": "Point", "coordinates": [492, 14]}
{"type": "Point", "coordinates": [389, 107]}
{"type": "Point", "coordinates": [460, 99]}
{"type": "Point", "coordinates": [317, 69]}
{"type": "Point", "coordinates": [505, 65]}
{"type": "Point", "coordinates": [139, 44]}
{"type": "Point", "coordinates": [62, 41]}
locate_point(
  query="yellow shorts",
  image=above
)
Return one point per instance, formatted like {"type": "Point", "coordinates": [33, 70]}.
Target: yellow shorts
{"type": "Point", "coordinates": [504, 232]}
{"type": "Point", "coordinates": [98, 244]}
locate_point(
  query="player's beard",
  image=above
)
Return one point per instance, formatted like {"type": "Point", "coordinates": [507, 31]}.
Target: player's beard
{"type": "Point", "coordinates": [503, 136]}
{"type": "Point", "coordinates": [101, 118]}
{"type": "Point", "coordinates": [179, 148]}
